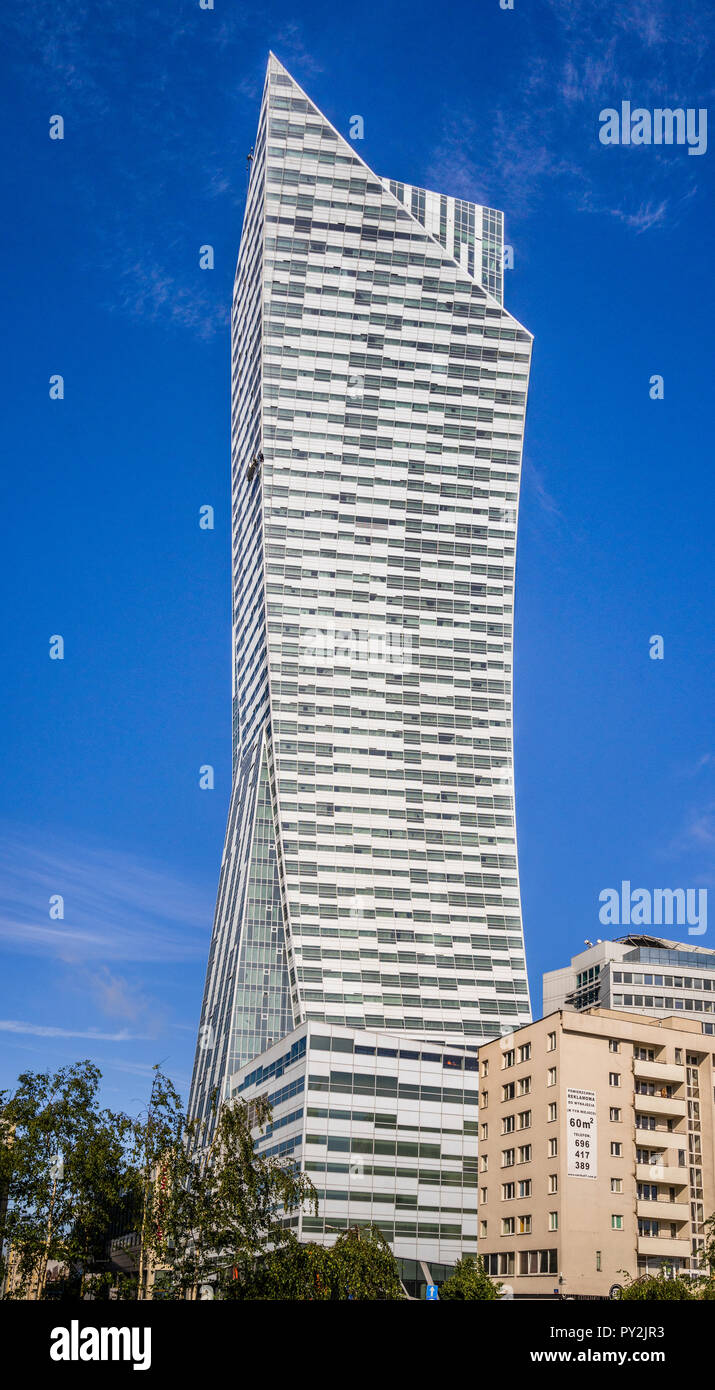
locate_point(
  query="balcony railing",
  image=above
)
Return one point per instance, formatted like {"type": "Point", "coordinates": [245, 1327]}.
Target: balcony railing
{"type": "Point", "coordinates": [660, 1245]}
{"type": "Point", "coordinates": [665, 1072]}
{"type": "Point", "coordinates": [667, 1106]}
{"type": "Point", "coordinates": [663, 1210]}
{"type": "Point", "coordinates": [668, 1173]}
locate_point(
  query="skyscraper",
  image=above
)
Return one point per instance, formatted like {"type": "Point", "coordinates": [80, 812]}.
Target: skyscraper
{"type": "Point", "coordinates": [369, 876]}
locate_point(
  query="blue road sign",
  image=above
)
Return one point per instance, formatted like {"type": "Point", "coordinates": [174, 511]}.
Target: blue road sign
{"type": "Point", "coordinates": [432, 1291]}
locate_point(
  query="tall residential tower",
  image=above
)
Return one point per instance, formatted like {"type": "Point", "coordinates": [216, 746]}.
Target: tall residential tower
{"type": "Point", "coordinates": [369, 876]}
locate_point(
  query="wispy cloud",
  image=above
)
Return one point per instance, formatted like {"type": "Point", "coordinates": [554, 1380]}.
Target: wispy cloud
{"type": "Point", "coordinates": [545, 142]}
{"type": "Point", "coordinates": [644, 218]}
{"type": "Point", "coordinates": [534, 479]}
{"type": "Point", "coordinates": [290, 48]}
{"type": "Point", "coordinates": [117, 906]}
{"type": "Point", "coordinates": [45, 1030]}
{"type": "Point", "coordinates": [147, 289]}
{"type": "Point", "coordinates": [694, 843]}
{"type": "Point", "coordinates": [699, 832]}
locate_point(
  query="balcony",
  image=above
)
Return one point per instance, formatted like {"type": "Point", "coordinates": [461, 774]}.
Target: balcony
{"type": "Point", "coordinates": [664, 1211]}
{"type": "Point", "coordinates": [666, 1106]}
{"type": "Point", "coordinates": [658, 1245]}
{"type": "Point", "coordinates": [659, 1071]}
{"type": "Point", "coordinates": [665, 1173]}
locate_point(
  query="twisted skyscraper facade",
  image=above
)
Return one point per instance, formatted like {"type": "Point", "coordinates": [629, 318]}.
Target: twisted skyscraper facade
{"type": "Point", "coordinates": [369, 876]}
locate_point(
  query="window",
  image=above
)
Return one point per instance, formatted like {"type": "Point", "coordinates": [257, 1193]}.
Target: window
{"type": "Point", "coordinates": [485, 1068]}
{"type": "Point", "coordinates": [483, 1195]}
{"type": "Point", "coordinates": [616, 1223]}
{"type": "Point", "coordinates": [613, 1046]}
{"type": "Point", "coordinates": [614, 1113]}
{"type": "Point", "coordinates": [484, 1163]}
{"type": "Point", "coordinates": [525, 1153]}
{"type": "Point", "coordinates": [551, 1076]}
{"type": "Point", "coordinates": [508, 1124]}
{"type": "Point", "coordinates": [524, 1087]}
{"type": "Point", "coordinates": [551, 1111]}
{"type": "Point", "coordinates": [537, 1262]}
{"type": "Point", "coordinates": [507, 1226]}
{"type": "Point", "coordinates": [508, 1158]}
{"type": "Point", "coordinates": [552, 1148]}
{"type": "Point", "coordinates": [482, 1230]}
{"type": "Point", "coordinates": [523, 1225]}
{"type": "Point", "coordinates": [508, 1058]}
{"type": "Point", "coordinates": [553, 1221]}
{"type": "Point", "coordinates": [524, 1187]}
{"type": "Point", "coordinates": [485, 1131]}
{"type": "Point", "coordinates": [598, 1261]}
{"type": "Point", "coordinates": [678, 1056]}
{"type": "Point", "coordinates": [525, 1052]}
{"type": "Point", "coordinates": [614, 1078]}
{"type": "Point", "coordinates": [524, 1119]}
{"type": "Point", "coordinates": [616, 1184]}
{"type": "Point", "coordinates": [500, 1264]}
{"type": "Point", "coordinates": [508, 1091]}
{"type": "Point", "coordinates": [553, 1182]}
{"type": "Point", "coordinates": [483, 1100]}
{"type": "Point", "coordinates": [508, 1191]}
{"type": "Point", "coordinates": [616, 1149]}
{"type": "Point", "coordinates": [550, 1042]}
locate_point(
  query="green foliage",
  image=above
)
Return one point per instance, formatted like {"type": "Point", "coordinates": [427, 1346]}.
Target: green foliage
{"type": "Point", "coordinates": [469, 1281]}
{"type": "Point", "coordinates": [64, 1170]}
{"type": "Point", "coordinates": [160, 1171]}
{"type": "Point", "coordinates": [359, 1267]}
{"type": "Point", "coordinates": [214, 1209]}
{"type": "Point", "coordinates": [660, 1287]}
{"type": "Point", "coordinates": [707, 1256]}
{"type": "Point", "coordinates": [364, 1266]}
{"type": "Point", "coordinates": [207, 1209]}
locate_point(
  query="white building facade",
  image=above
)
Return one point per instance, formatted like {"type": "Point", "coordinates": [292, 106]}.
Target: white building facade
{"type": "Point", "coordinates": [386, 1129]}
{"type": "Point", "coordinates": [369, 880]}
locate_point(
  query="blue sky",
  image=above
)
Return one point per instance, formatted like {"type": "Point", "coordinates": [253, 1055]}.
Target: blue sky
{"type": "Point", "coordinates": [613, 275]}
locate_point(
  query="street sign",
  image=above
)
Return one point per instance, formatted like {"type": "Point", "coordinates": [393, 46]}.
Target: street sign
{"type": "Point", "coordinates": [432, 1291]}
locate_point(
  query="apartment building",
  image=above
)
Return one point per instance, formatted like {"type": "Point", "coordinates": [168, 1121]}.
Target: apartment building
{"type": "Point", "coordinates": [596, 1146]}
{"type": "Point", "coordinates": [370, 876]}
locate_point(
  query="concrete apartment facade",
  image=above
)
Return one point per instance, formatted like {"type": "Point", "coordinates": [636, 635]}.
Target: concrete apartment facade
{"type": "Point", "coordinates": [646, 974]}
{"type": "Point", "coordinates": [596, 1149]}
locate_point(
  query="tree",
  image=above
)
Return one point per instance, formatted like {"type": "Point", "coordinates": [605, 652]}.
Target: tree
{"type": "Point", "coordinates": [359, 1266]}
{"type": "Point", "coordinates": [161, 1174]}
{"type": "Point", "coordinates": [63, 1168]}
{"type": "Point", "coordinates": [469, 1281]}
{"type": "Point", "coordinates": [660, 1287]}
{"type": "Point", "coordinates": [363, 1266]}
{"type": "Point", "coordinates": [215, 1212]}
